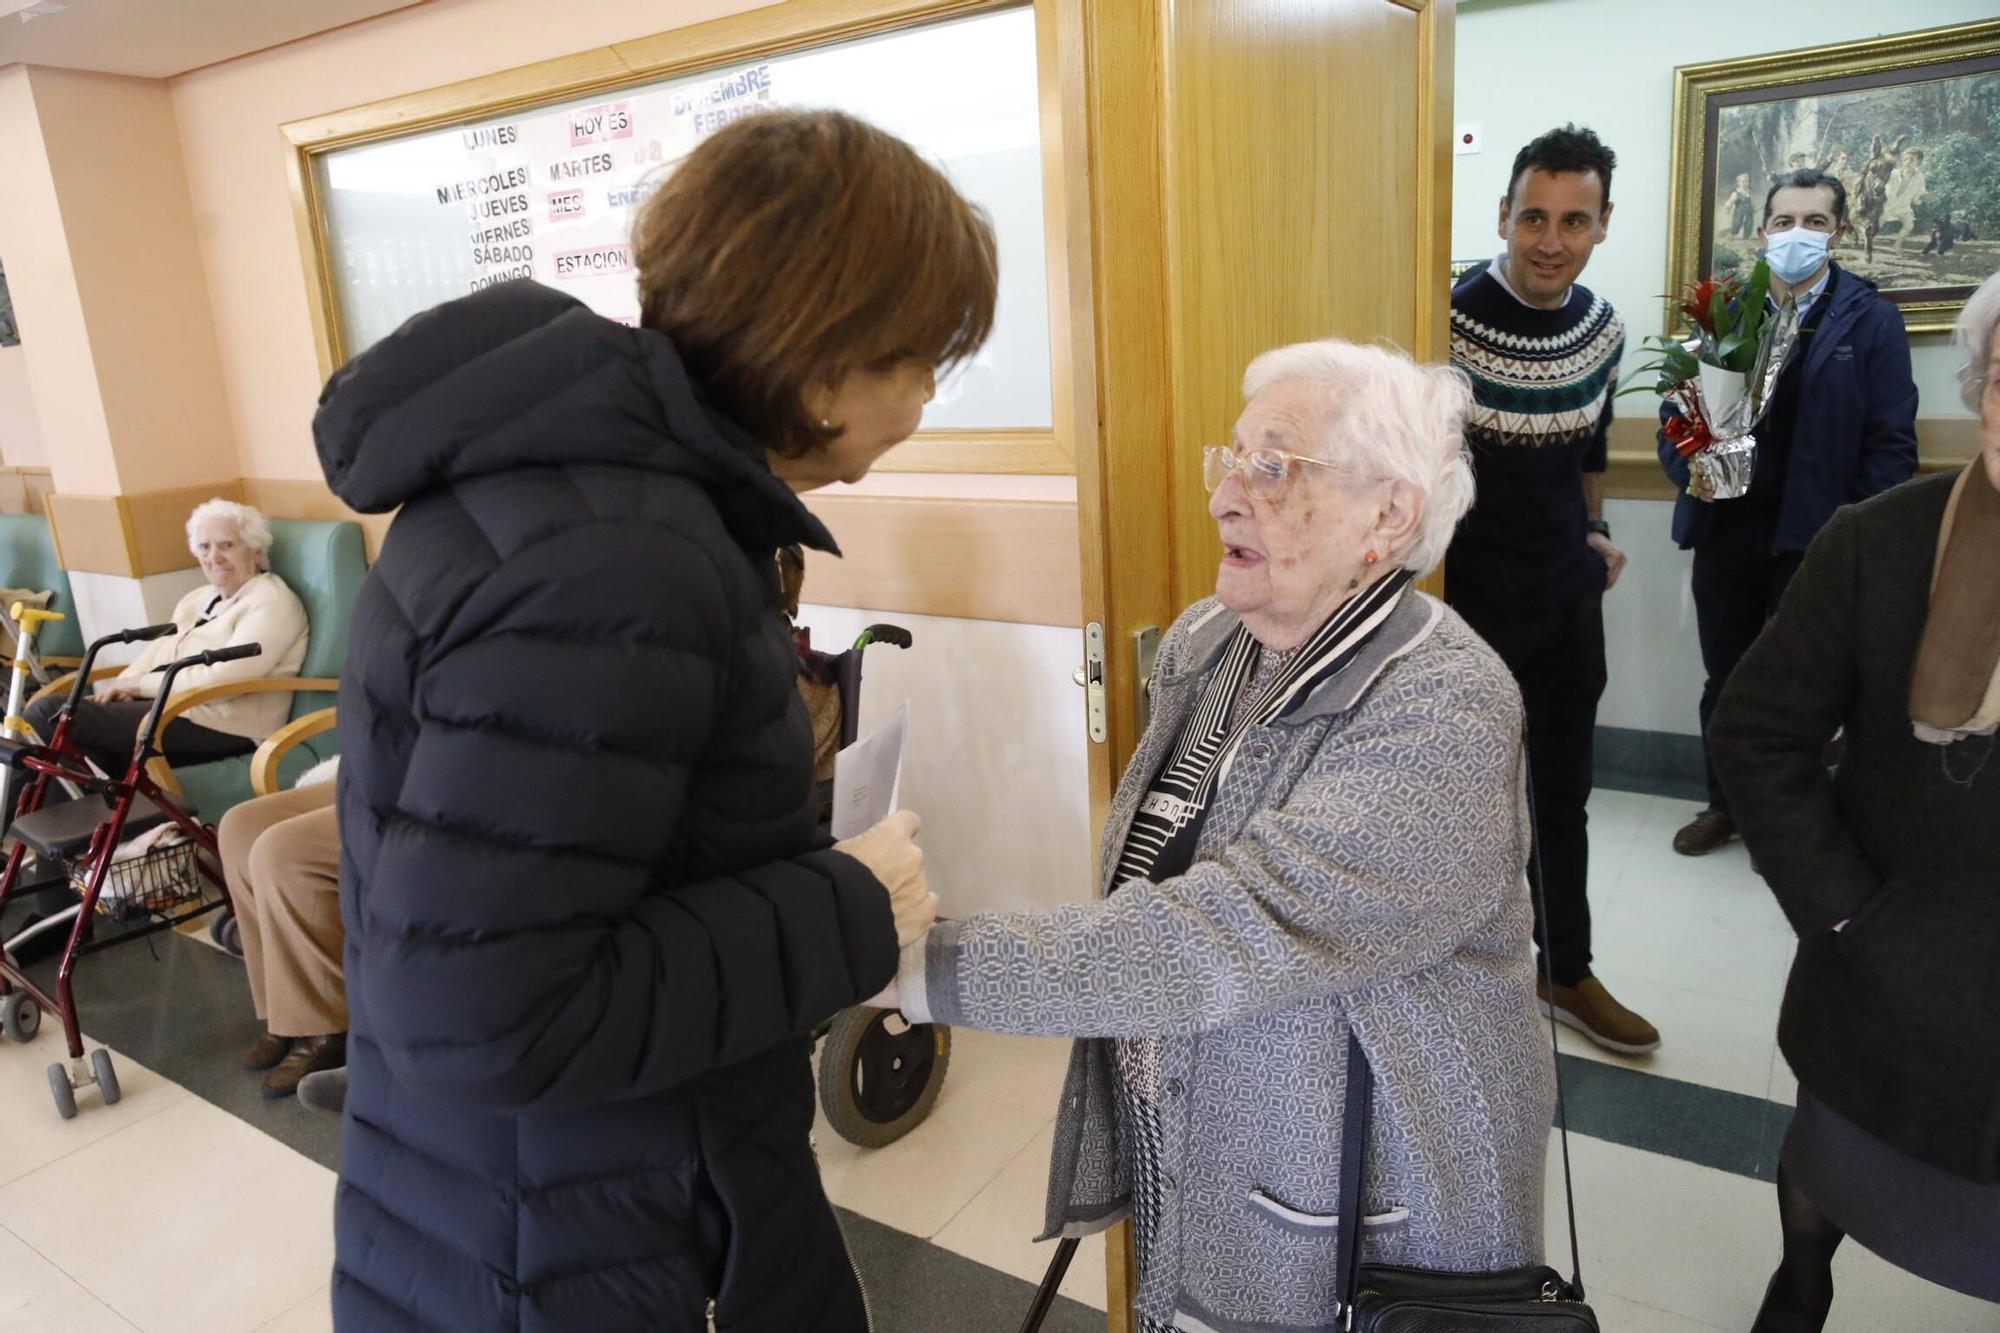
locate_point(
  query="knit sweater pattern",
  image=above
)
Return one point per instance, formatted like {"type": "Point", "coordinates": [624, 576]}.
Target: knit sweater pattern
{"type": "Point", "coordinates": [1542, 385]}
{"type": "Point", "coordinates": [1538, 377]}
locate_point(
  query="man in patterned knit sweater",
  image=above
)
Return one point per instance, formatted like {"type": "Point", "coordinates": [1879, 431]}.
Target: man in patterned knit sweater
{"type": "Point", "coordinates": [1531, 563]}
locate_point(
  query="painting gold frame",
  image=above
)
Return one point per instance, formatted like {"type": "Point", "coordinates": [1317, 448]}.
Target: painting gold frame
{"type": "Point", "coordinates": [1696, 85]}
{"type": "Point", "coordinates": [738, 38]}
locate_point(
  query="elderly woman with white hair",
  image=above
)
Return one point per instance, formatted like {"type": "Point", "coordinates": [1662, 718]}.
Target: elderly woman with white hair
{"type": "Point", "coordinates": [1322, 833]}
{"type": "Point", "coordinates": [240, 602]}
{"type": "Point", "coordinates": [1886, 867]}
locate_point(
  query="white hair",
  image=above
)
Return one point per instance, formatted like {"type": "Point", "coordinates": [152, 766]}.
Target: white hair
{"type": "Point", "coordinates": [1974, 336]}
{"type": "Point", "coordinates": [1389, 417]}
{"type": "Point", "coordinates": [251, 525]}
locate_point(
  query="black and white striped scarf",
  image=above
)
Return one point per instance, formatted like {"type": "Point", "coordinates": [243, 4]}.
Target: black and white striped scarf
{"type": "Point", "coordinates": [1161, 841]}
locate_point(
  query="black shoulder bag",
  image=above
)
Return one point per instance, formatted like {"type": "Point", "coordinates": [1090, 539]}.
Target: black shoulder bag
{"type": "Point", "coordinates": [1387, 1298]}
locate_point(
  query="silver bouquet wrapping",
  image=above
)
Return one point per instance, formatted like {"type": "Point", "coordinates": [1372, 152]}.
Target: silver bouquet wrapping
{"type": "Point", "coordinates": [1731, 404]}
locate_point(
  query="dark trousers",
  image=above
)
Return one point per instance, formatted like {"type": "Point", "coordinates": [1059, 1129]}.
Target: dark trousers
{"type": "Point", "coordinates": [1738, 580]}
{"type": "Point", "coordinates": [1557, 658]}
{"type": "Point", "coordinates": [106, 731]}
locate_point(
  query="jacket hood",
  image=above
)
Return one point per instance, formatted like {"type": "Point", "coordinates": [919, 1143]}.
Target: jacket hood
{"type": "Point", "coordinates": [522, 376]}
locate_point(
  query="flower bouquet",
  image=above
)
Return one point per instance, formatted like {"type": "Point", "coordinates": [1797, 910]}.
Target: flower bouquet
{"type": "Point", "coordinates": [1721, 376]}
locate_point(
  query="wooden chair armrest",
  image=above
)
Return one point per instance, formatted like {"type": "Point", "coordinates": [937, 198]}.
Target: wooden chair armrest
{"type": "Point", "coordinates": [61, 684]}
{"type": "Point", "coordinates": [183, 700]}
{"type": "Point", "coordinates": [264, 763]}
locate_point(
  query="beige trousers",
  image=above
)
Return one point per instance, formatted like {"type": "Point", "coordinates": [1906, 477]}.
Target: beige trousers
{"type": "Point", "coordinates": [281, 854]}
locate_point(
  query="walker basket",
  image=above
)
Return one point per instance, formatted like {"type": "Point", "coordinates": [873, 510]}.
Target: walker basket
{"type": "Point", "coordinates": [156, 882]}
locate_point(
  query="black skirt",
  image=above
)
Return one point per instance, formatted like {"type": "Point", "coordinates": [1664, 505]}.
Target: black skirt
{"type": "Point", "coordinates": [1941, 1227]}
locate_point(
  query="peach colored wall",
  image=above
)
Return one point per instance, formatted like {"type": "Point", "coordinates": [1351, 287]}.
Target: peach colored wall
{"type": "Point", "coordinates": [20, 432]}
{"type": "Point", "coordinates": [115, 157]}
{"type": "Point", "coordinates": [229, 117]}
{"type": "Point", "coordinates": [55, 339]}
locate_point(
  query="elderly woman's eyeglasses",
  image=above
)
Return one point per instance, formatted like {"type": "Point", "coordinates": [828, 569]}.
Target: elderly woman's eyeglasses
{"type": "Point", "coordinates": [1265, 472]}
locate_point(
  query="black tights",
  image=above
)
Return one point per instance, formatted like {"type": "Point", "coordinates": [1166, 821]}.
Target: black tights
{"type": "Point", "coordinates": [1801, 1291]}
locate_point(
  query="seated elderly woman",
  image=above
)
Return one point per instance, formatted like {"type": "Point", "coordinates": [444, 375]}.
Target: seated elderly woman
{"type": "Point", "coordinates": [281, 854]}
{"type": "Point", "coordinates": [242, 602]}
{"type": "Point", "coordinates": [1322, 832]}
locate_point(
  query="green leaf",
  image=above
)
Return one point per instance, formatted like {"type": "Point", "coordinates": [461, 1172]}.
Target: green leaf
{"type": "Point", "coordinates": [1754, 296]}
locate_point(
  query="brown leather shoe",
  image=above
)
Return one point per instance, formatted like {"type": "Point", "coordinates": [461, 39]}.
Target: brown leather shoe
{"type": "Point", "coordinates": [1589, 1008]}
{"type": "Point", "coordinates": [264, 1052]}
{"type": "Point", "coordinates": [308, 1055]}
{"type": "Point", "coordinates": [1704, 833]}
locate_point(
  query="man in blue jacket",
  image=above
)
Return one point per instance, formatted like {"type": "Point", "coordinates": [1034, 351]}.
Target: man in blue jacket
{"type": "Point", "coordinates": [1841, 427]}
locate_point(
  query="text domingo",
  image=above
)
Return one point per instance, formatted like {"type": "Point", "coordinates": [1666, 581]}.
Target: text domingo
{"type": "Point", "coordinates": [504, 275]}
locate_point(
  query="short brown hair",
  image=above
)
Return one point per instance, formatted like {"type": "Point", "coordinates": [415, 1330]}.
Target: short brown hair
{"type": "Point", "coordinates": [794, 247]}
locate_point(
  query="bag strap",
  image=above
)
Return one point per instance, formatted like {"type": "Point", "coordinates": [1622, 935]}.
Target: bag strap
{"type": "Point", "coordinates": [1360, 1092]}
{"type": "Point", "coordinates": [1555, 1050]}
{"type": "Point", "coordinates": [1353, 1143]}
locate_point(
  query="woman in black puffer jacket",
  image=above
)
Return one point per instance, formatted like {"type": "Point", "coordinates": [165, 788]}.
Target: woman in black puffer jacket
{"type": "Point", "coordinates": [590, 920]}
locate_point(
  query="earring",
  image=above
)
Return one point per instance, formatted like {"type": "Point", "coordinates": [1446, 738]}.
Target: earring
{"type": "Point", "coordinates": [825, 424]}
{"type": "Point", "coordinates": [1371, 557]}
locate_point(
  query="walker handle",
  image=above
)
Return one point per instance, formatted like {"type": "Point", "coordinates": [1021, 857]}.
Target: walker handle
{"type": "Point", "coordinates": [232, 654]}
{"type": "Point", "coordinates": [26, 616]}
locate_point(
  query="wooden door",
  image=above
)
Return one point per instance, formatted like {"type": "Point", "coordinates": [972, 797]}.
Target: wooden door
{"type": "Point", "coordinates": [1227, 176]}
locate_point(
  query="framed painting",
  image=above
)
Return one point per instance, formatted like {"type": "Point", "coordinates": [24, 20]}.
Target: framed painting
{"type": "Point", "coordinates": [1909, 124]}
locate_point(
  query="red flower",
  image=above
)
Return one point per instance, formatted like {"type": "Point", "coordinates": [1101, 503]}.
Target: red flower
{"type": "Point", "coordinates": [1698, 304]}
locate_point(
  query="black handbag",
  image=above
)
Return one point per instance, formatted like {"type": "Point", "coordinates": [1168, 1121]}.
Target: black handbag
{"type": "Point", "coordinates": [1388, 1298]}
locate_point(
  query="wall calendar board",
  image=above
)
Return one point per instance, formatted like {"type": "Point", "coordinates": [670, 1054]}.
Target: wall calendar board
{"type": "Point", "coordinates": [549, 192]}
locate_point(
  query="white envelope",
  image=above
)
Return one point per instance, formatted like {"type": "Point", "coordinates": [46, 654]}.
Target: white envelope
{"type": "Point", "coordinates": [867, 775]}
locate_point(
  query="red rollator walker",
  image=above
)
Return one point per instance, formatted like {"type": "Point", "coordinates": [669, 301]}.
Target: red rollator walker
{"type": "Point", "coordinates": [109, 846]}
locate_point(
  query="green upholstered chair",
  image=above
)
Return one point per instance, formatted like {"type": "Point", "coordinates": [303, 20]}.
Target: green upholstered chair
{"type": "Point", "coordinates": [322, 562]}
{"type": "Point", "coordinates": [28, 560]}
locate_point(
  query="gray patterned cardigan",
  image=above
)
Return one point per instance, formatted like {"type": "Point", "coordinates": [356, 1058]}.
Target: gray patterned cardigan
{"type": "Point", "coordinates": [1362, 865]}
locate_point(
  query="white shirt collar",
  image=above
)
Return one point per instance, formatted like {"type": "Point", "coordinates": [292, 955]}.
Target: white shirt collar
{"type": "Point", "coordinates": [1498, 268]}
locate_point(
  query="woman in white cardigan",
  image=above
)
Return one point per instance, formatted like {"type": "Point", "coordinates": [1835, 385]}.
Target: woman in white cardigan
{"type": "Point", "coordinates": [242, 602]}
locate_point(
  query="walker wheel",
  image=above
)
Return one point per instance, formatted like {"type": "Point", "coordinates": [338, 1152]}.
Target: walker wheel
{"type": "Point", "coordinates": [20, 1017]}
{"type": "Point", "coordinates": [60, 1090]}
{"type": "Point", "coordinates": [879, 1075]}
{"type": "Point", "coordinates": [107, 1077]}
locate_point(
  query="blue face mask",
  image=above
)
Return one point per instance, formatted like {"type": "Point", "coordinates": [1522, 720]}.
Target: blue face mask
{"type": "Point", "coordinates": [1796, 254]}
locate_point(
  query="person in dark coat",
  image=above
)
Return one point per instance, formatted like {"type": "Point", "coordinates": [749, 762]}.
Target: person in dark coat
{"type": "Point", "coordinates": [591, 920]}
{"type": "Point", "coordinates": [1887, 869]}
{"type": "Point", "coordinates": [1842, 426]}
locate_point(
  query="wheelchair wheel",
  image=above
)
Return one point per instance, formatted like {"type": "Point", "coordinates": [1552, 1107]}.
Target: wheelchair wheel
{"type": "Point", "coordinates": [227, 931]}
{"type": "Point", "coordinates": [879, 1076]}
{"type": "Point", "coordinates": [20, 1017]}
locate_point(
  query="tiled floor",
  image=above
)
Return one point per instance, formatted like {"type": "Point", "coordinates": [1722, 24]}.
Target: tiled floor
{"type": "Point", "coordinates": [190, 1205]}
